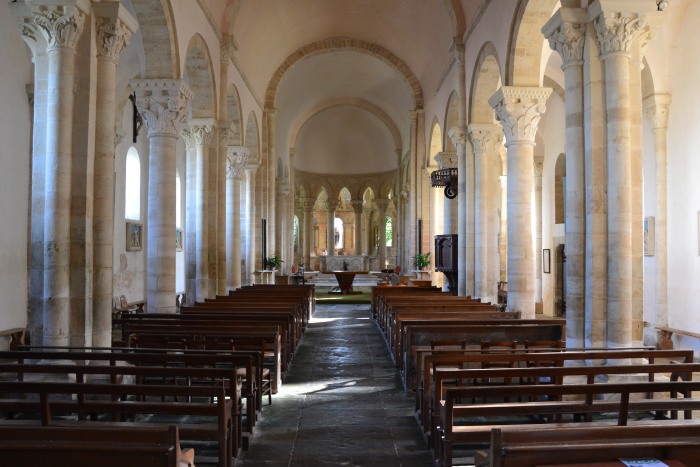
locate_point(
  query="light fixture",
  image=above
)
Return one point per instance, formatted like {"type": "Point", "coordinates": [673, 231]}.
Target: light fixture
{"type": "Point", "coordinates": [445, 178]}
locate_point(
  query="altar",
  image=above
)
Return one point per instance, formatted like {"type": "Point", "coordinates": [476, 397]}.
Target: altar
{"type": "Point", "coordinates": [355, 263]}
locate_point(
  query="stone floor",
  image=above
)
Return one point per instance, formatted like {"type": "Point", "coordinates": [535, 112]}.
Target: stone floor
{"type": "Point", "coordinates": [341, 404]}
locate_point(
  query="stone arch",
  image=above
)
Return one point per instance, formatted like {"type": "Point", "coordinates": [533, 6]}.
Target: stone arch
{"type": "Point", "coordinates": [451, 120]}
{"type": "Point", "coordinates": [349, 102]}
{"type": "Point", "coordinates": [524, 67]}
{"type": "Point", "coordinates": [345, 43]}
{"type": "Point", "coordinates": [435, 144]}
{"type": "Point", "coordinates": [485, 82]}
{"type": "Point", "coordinates": [252, 138]}
{"type": "Point", "coordinates": [157, 26]}
{"type": "Point", "coordinates": [199, 75]}
{"type": "Point", "coordinates": [234, 113]}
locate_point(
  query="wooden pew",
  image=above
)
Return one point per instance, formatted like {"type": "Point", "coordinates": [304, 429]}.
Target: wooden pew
{"type": "Point", "coordinates": [514, 447]}
{"type": "Point", "coordinates": [245, 364]}
{"type": "Point", "coordinates": [379, 292]}
{"type": "Point", "coordinates": [261, 338]}
{"type": "Point", "coordinates": [30, 446]}
{"type": "Point", "coordinates": [419, 334]}
{"type": "Point", "coordinates": [432, 390]}
{"type": "Point", "coordinates": [428, 415]}
{"type": "Point", "coordinates": [306, 292]}
{"type": "Point", "coordinates": [115, 402]}
{"type": "Point", "coordinates": [569, 401]}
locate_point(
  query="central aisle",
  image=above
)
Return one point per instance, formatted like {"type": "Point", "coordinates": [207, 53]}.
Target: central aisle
{"type": "Point", "coordinates": [341, 403]}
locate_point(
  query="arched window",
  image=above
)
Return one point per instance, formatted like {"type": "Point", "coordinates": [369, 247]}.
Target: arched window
{"type": "Point", "coordinates": [296, 233]}
{"type": "Point", "coordinates": [339, 243]}
{"type": "Point", "coordinates": [132, 185]}
{"type": "Point", "coordinates": [389, 232]}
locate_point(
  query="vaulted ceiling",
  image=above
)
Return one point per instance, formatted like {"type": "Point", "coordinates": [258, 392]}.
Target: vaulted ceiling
{"type": "Point", "coordinates": [344, 75]}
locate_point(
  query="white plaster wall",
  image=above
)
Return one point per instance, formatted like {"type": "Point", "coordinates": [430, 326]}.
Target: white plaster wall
{"type": "Point", "coordinates": [683, 173]}
{"type": "Point", "coordinates": [15, 123]}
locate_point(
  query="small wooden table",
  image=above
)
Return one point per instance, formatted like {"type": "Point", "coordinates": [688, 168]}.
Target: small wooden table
{"type": "Point", "coordinates": [345, 279]}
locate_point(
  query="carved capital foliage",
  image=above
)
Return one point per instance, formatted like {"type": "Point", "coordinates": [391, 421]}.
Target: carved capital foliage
{"type": "Point", "coordinates": [458, 136]}
{"type": "Point", "coordinates": [332, 205]}
{"type": "Point", "coordinates": [656, 109]}
{"type": "Point", "coordinates": [382, 204]}
{"type": "Point", "coordinates": [446, 160]}
{"type": "Point", "coordinates": [60, 25]}
{"type": "Point", "coordinates": [112, 38]}
{"type": "Point", "coordinates": [197, 135]}
{"type": "Point", "coordinates": [519, 110]}
{"type": "Point", "coordinates": [307, 204]}
{"type": "Point", "coordinates": [228, 47]}
{"type": "Point", "coordinates": [538, 166]}
{"type": "Point", "coordinates": [357, 205]}
{"type": "Point", "coordinates": [227, 137]}
{"type": "Point", "coordinates": [236, 159]}
{"type": "Point", "coordinates": [568, 41]}
{"type": "Point", "coordinates": [163, 104]}
{"type": "Point", "coordinates": [616, 32]}
{"type": "Point", "coordinates": [486, 139]}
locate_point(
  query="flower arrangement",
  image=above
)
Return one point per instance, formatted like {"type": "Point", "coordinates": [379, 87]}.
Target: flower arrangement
{"type": "Point", "coordinates": [273, 261]}
{"type": "Point", "coordinates": [421, 260]}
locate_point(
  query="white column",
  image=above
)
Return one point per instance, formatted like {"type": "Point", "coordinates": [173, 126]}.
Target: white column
{"type": "Point", "coordinates": [61, 27]}
{"type": "Point", "coordinates": [656, 109]}
{"type": "Point", "coordinates": [448, 160]}
{"type": "Point", "coordinates": [487, 141]}
{"type": "Point", "coordinates": [357, 206]}
{"type": "Point", "coordinates": [519, 110]}
{"type": "Point", "coordinates": [237, 157]}
{"type": "Point", "coordinates": [114, 26]}
{"type": "Point", "coordinates": [249, 228]}
{"type": "Point", "coordinates": [382, 205]}
{"type": "Point", "coordinates": [307, 204]}
{"type": "Point", "coordinates": [331, 206]}
{"type": "Point", "coordinates": [200, 133]}
{"type": "Point", "coordinates": [566, 34]}
{"type": "Point", "coordinates": [538, 234]}
{"type": "Point", "coordinates": [163, 105]}
{"type": "Point", "coordinates": [615, 34]}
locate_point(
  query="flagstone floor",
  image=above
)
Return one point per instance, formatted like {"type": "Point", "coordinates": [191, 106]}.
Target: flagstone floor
{"type": "Point", "coordinates": [341, 404]}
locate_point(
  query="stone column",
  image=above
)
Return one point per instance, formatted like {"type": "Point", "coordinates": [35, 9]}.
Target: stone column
{"type": "Point", "coordinates": [382, 205]}
{"type": "Point", "coordinates": [163, 105]}
{"type": "Point", "coordinates": [448, 160]}
{"type": "Point", "coordinates": [486, 141]}
{"type": "Point", "coordinates": [199, 132]}
{"type": "Point", "coordinates": [616, 33]}
{"type": "Point", "coordinates": [656, 108]}
{"type": "Point", "coordinates": [566, 34]}
{"type": "Point", "coordinates": [331, 206]}
{"type": "Point", "coordinates": [227, 139]}
{"type": "Point", "coordinates": [538, 234]}
{"type": "Point", "coordinates": [307, 204]}
{"type": "Point", "coordinates": [357, 205]}
{"type": "Point", "coordinates": [249, 227]}
{"type": "Point", "coordinates": [519, 110]}
{"type": "Point", "coordinates": [114, 26]}
{"type": "Point", "coordinates": [61, 27]}
{"type": "Point", "coordinates": [237, 157]}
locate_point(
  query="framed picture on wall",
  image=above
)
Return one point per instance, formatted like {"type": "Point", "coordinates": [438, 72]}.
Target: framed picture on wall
{"type": "Point", "coordinates": [134, 238]}
{"type": "Point", "coordinates": [545, 260]}
{"type": "Point", "coordinates": [178, 240]}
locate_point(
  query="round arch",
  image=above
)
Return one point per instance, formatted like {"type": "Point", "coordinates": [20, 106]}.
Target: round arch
{"type": "Point", "coordinates": [157, 26]}
{"type": "Point", "coordinates": [485, 82]}
{"type": "Point", "coordinates": [199, 75]}
{"type": "Point", "coordinates": [451, 120]}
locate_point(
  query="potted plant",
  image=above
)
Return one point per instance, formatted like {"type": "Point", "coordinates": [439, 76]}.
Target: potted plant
{"type": "Point", "coordinates": [422, 260]}
{"type": "Point", "coordinates": [273, 262]}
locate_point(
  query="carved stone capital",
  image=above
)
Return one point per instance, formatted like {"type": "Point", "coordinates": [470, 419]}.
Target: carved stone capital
{"type": "Point", "coordinates": [227, 137]}
{"type": "Point", "coordinates": [228, 47]}
{"type": "Point", "coordinates": [446, 160]}
{"type": "Point", "coordinates": [616, 32]}
{"type": "Point", "coordinates": [656, 109]}
{"type": "Point", "coordinates": [458, 136]}
{"type": "Point", "coordinates": [119, 135]}
{"type": "Point", "coordinates": [357, 205]}
{"type": "Point", "coordinates": [519, 110]}
{"type": "Point", "coordinates": [163, 104]}
{"type": "Point", "coordinates": [382, 204]}
{"type": "Point", "coordinates": [486, 139]}
{"type": "Point", "coordinates": [236, 159]}
{"type": "Point", "coordinates": [202, 131]}
{"type": "Point", "coordinates": [114, 26]}
{"type": "Point", "coordinates": [61, 25]}
{"type": "Point", "coordinates": [538, 166]}
{"type": "Point", "coordinates": [332, 205]}
{"type": "Point", "coordinates": [307, 204]}
{"type": "Point", "coordinates": [566, 32]}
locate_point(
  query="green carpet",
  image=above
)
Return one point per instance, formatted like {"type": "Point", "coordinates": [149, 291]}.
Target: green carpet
{"type": "Point", "coordinates": [324, 298]}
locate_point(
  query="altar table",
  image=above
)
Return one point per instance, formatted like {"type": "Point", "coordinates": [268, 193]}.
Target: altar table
{"type": "Point", "coordinates": [345, 279]}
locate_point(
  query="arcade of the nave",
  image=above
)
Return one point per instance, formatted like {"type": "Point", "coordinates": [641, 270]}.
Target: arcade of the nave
{"type": "Point", "coordinates": [157, 147]}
